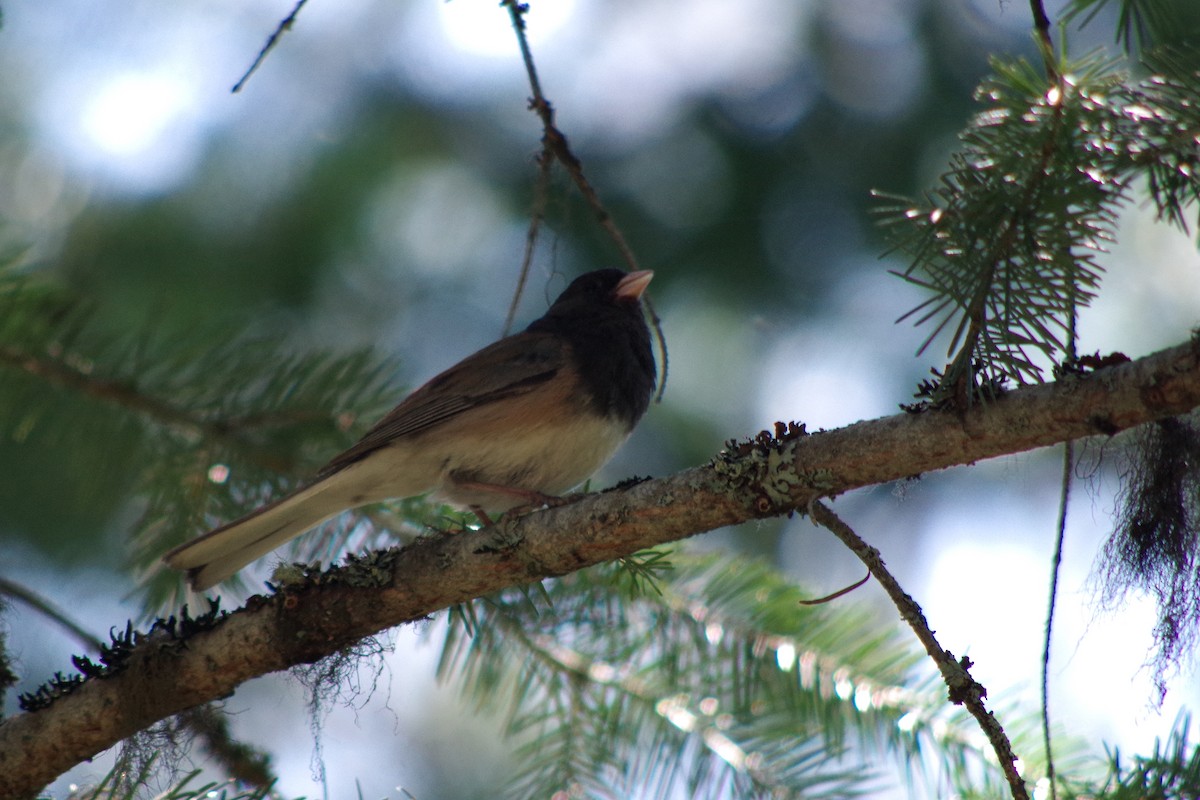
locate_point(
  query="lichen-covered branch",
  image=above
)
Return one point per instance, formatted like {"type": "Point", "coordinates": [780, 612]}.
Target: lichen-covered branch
{"type": "Point", "coordinates": [771, 475]}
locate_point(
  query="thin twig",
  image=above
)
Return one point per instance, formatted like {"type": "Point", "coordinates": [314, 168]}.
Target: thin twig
{"type": "Point", "coordinates": [1060, 535]}
{"type": "Point", "coordinates": [845, 590]}
{"type": "Point", "coordinates": [1055, 568]}
{"type": "Point", "coordinates": [555, 141]}
{"type": "Point", "coordinates": [50, 611]}
{"type": "Point", "coordinates": [284, 25]}
{"type": "Point", "coordinates": [1041, 24]}
{"type": "Point", "coordinates": [1041, 20]}
{"type": "Point", "coordinates": [537, 214]}
{"type": "Point", "coordinates": [964, 690]}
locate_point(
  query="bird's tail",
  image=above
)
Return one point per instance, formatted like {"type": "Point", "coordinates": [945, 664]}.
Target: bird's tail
{"type": "Point", "coordinates": [218, 554]}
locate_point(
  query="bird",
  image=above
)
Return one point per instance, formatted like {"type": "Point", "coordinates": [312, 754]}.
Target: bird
{"type": "Point", "coordinates": [517, 423]}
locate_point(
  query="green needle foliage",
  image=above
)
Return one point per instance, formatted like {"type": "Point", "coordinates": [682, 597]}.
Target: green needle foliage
{"type": "Point", "coordinates": [1007, 245]}
{"type": "Point", "coordinates": [298, 411]}
{"type": "Point", "coordinates": [1140, 23]}
{"type": "Point", "coordinates": [196, 439]}
{"type": "Point", "coordinates": [1171, 771]}
{"type": "Point", "coordinates": [718, 683]}
{"type": "Point", "coordinates": [118, 785]}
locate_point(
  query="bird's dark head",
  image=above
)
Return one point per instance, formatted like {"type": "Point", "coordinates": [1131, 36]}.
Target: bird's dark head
{"type": "Point", "coordinates": [603, 287]}
{"type": "Point", "coordinates": [600, 315]}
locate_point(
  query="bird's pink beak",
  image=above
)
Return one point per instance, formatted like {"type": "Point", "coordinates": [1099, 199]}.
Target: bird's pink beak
{"type": "Point", "coordinates": [633, 285]}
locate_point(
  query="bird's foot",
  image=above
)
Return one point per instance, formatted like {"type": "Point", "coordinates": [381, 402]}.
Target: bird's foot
{"type": "Point", "coordinates": [526, 499]}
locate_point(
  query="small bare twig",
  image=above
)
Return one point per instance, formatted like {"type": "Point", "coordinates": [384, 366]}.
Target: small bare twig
{"type": "Point", "coordinates": [1041, 20]}
{"type": "Point", "coordinates": [47, 609]}
{"type": "Point", "coordinates": [1055, 569]}
{"type": "Point", "coordinates": [537, 213]}
{"type": "Point", "coordinates": [964, 690]}
{"type": "Point", "coordinates": [554, 142]}
{"type": "Point", "coordinates": [1041, 24]}
{"type": "Point", "coordinates": [1060, 535]}
{"type": "Point", "coordinates": [845, 590]}
{"type": "Point", "coordinates": [284, 25]}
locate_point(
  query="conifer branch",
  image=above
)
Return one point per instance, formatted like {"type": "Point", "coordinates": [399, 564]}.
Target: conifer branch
{"type": "Point", "coordinates": [721, 675]}
{"type": "Point", "coordinates": [768, 477]}
{"type": "Point", "coordinates": [712, 740]}
{"type": "Point", "coordinates": [63, 374]}
{"type": "Point", "coordinates": [1008, 243]}
{"type": "Point", "coordinates": [1172, 770]}
{"type": "Point", "coordinates": [179, 416]}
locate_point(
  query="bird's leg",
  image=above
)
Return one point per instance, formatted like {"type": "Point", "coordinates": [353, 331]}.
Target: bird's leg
{"type": "Point", "coordinates": [483, 515]}
{"type": "Point", "coordinates": [545, 500]}
{"type": "Point", "coordinates": [528, 498]}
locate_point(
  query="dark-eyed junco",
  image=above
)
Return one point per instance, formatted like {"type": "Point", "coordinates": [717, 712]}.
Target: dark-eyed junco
{"type": "Point", "coordinates": [525, 418]}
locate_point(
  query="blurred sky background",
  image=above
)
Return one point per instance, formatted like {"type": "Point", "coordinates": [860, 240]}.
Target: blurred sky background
{"type": "Point", "coordinates": [371, 184]}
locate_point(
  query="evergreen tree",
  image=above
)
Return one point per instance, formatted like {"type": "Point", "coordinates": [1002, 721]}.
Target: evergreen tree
{"type": "Point", "coordinates": [618, 662]}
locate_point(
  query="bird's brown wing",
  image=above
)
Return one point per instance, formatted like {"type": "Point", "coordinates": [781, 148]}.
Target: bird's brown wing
{"type": "Point", "coordinates": [512, 366]}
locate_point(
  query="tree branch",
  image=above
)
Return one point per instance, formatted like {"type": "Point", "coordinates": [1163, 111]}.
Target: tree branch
{"type": "Point", "coordinates": [166, 674]}
{"type": "Point", "coordinates": [124, 395]}
{"type": "Point", "coordinates": [285, 25]}
{"type": "Point", "coordinates": [555, 141]}
{"type": "Point", "coordinates": [554, 144]}
{"type": "Point", "coordinates": [964, 689]}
